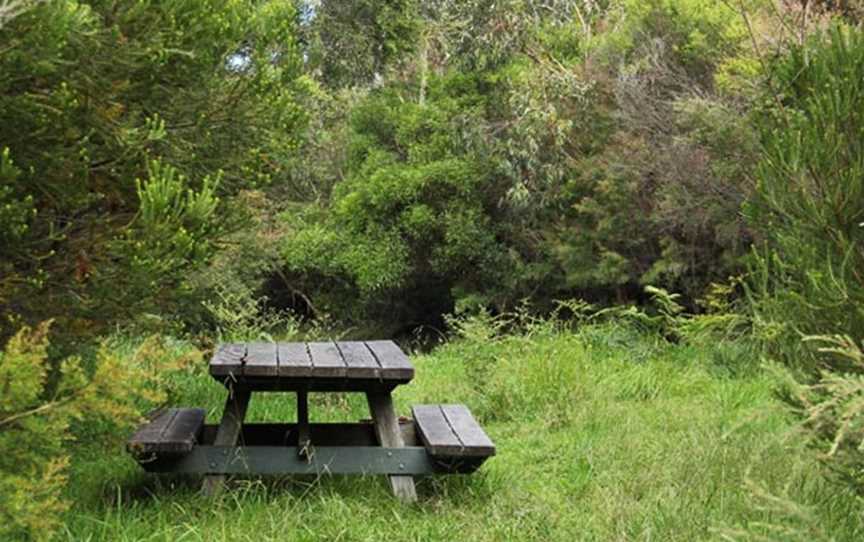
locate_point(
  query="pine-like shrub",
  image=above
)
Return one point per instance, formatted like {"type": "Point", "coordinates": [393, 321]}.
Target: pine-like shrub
{"type": "Point", "coordinates": [833, 408]}
{"type": "Point", "coordinates": [808, 204]}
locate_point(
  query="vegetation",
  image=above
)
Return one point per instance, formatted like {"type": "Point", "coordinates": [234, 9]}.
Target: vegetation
{"type": "Point", "coordinates": [645, 216]}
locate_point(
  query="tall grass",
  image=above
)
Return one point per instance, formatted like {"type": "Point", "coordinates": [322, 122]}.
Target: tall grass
{"type": "Point", "coordinates": [603, 433]}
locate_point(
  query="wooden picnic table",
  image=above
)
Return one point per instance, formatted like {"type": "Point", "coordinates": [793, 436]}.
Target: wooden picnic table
{"type": "Point", "coordinates": [439, 438]}
{"type": "Point", "coordinates": [372, 367]}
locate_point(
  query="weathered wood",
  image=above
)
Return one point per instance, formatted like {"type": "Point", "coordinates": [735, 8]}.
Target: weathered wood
{"type": "Point", "coordinates": [318, 366]}
{"type": "Point", "coordinates": [359, 360]}
{"type": "Point", "coordinates": [451, 431]}
{"type": "Point", "coordinates": [474, 440]}
{"type": "Point", "coordinates": [392, 360]}
{"type": "Point", "coordinates": [229, 429]}
{"type": "Point", "coordinates": [389, 436]}
{"type": "Point", "coordinates": [326, 360]}
{"type": "Point", "coordinates": [141, 442]}
{"type": "Point", "coordinates": [228, 360]}
{"type": "Point", "coordinates": [435, 432]}
{"type": "Point", "coordinates": [311, 384]}
{"type": "Point", "coordinates": [171, 431]}
{"type": "Point", "coordinates": [261, 360]}
{"type": "Point", "coordinates": [294, 360]}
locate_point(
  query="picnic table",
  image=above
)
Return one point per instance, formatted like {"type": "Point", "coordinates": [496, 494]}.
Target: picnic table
{"type": "Point", "coordinates": [439, 438]}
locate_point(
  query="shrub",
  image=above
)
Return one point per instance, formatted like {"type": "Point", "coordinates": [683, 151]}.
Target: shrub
{"type": "Point", "coordinates": [39, 403]}
{"type": "Point", "coordinates": [415, 213]}
{"type": "Point", "coordinates": [808, 204]}
{"type": "Point", "coordinates": [833, 409]}
{"type": "Point", "coordinates": [92, 95]}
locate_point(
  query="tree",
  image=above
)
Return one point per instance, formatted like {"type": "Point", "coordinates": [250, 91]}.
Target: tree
{"type": "Point", "coordinates": [122, 125]}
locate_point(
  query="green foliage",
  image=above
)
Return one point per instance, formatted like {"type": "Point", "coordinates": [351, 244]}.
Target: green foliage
{"type": "Point", "coordinates": [352, 43]}
{"type": "Point", "coordinates": [809, 200]}
{"type": "Point", "coordinates": [92, 95]}
{"type": "Point", "coordinates": [39, 404]}
{"type": "Point", "coordinates": [417, 207]}
{"type": "Point", "coordinates": [833, 408]}
{"type": "Point", "coordinates": [655, 200]}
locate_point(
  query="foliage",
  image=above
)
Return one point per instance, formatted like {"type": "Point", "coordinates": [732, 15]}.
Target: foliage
{"type": "Point", "coordinates": [353, 43]}
{"type": "Point", "coordinates": [416, 211]}
{"type": "Point", "coordinates": [808, 204]}
{"type": "Point", "coordinates": [94, 95]}
{"type": "Point", "coordinates": [656, 199]}
{"type": "Point", "coordinates": [38, 406]}
{"type": "Point", "coordinates": [833, 408]}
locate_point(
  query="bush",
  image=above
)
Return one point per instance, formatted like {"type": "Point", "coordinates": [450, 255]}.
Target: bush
{"type": "Point", "coordinates": [40, 402]}
{"type": "Point", "coordinates": [833, 409]}
{"type": "Point", "coordinates": [808, 205]}
{"type": "Point", "coordinates": [656, 199]}
{"type": "Point", "coordinates": [94, 95]}
{"type": "Point", "coordinates": [417, 211]}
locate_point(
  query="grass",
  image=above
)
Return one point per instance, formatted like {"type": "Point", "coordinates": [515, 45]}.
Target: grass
{"type": "Point", "coordinates": [602, 434]}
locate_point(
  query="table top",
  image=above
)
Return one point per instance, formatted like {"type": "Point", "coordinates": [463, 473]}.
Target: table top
{"type": "Point", "coordinates": [316, 366]}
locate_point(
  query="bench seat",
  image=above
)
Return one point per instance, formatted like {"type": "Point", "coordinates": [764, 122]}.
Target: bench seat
{"type": "Point", "coordinates": [171, 431]}
{"type": "Point", "coordinates": [451, 432]}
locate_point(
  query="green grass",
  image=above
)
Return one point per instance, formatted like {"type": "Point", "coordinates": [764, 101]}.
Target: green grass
{"type": "Point", "coordinates": [602, 434]}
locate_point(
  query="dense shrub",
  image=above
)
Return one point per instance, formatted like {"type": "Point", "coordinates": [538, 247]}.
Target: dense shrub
{"type": "Point", "coordinates": [416, 211]}
{"type": "Point", "coordinates": [94, 95]}
{"type": "Point", "coordinates": [39, 403]}
{"type": "Point", "coordinates": [833, 408]}
{"type": "Point", "coordinates": [656, 200]}
{"type": "Point", "coordinates": [808, 204]}
{"type": "Point", "coordinates": [542, 163]}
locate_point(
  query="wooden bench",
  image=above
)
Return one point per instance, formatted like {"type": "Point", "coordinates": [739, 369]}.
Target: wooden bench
{"type": "Point", "coordinates": [452, 437]}
{"type": "Point", "coordinates": [172, 431]}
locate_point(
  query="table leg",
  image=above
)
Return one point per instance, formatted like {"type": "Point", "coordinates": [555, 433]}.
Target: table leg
{"type": "Point", "coordinates": [227, 434]}
{"type": "Point", "coordinates": [389, 435]}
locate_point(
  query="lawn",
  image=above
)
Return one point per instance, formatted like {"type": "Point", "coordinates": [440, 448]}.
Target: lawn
{"type": "Point", "coordinates": [603, 433]}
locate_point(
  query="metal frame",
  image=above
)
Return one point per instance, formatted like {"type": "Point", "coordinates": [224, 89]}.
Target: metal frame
{"type": "Point", "coordinates": [271, 460]}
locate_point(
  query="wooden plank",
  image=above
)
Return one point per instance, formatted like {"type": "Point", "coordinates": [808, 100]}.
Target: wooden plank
{"type": "Point", "coordinates": [327, 362]}
{"type": "Point", "coordinates": [389, 436]}
{"type": "Point", "coordinates": [435, 432]}
{"type": "Point", "coordinates": [359, 359]}
{"type": "Point", "coordinates": [261, 360]}
{"type": "Point", "coordinates": [294, 360]}
{"type": "Point", "coordinates": [142, 442]}
{"type": "Point", "coordinates": [181, 435]}
{"type": "Point", "coordinates": [474, 440]}
{"type": "Point", "coordinates": [229, 430]}
{"type": "Point", "coordinates": [228, 360]}
{"type": "Point", "coordinates": [172, 431]}
{"type": "Point", "coordinates": [392, 360]}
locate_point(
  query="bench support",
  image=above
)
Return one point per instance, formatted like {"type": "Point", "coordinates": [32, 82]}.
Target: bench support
{"type": "Point", "coordinates": [389, 436]}
{"type": "Point", "coordinates": [304, 440]}
{"type": "Point", "coordinates": [226, 435]}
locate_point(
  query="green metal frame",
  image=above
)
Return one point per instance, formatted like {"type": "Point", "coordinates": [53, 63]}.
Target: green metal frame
{"type": "Point", "coordinates": [203, 459]}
